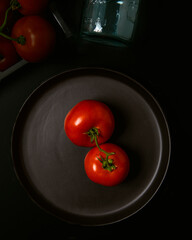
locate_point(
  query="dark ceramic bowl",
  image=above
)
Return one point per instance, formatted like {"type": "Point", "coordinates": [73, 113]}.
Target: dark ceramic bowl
{"type": "Point", "coordinates": [51, 168]}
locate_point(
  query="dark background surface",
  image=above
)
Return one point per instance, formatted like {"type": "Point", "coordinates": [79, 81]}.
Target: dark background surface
{"type": "Point", "coordinates": [154, 60]}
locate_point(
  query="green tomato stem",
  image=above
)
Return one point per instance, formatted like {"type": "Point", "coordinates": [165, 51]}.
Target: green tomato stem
{"type": "Point", "coordinates": [5, 19]}
{"type": "Point", "coordinates": [101, 150]}
{"type": "Point", "coordinates": [107, 163]}
{"type": "Point", "coordinates": [14, 4]}
{"type": "Point", "coordinates": [21, 39]}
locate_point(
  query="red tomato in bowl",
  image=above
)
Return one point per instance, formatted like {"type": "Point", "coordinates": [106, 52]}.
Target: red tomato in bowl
{"type": "Point", "coordinates": [8, 54]}
{"type": "Point", "coordinates": [96, 170]}
{"type": "Point", "coordinates": [32, 7]}
{"type": "Point", "coordinates": [39, 35]}
{"type": "Point", "coordinates": [88, 118]}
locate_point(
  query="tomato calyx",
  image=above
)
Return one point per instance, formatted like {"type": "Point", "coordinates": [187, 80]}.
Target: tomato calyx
{"type": "Point", "coordinates": [107, 163]}
{"type": "Point", "coordinates": [21, 39]}
{"type": "Point", "coordinates": [92, 133]}
{"type": "Point", "coordinates": [15, 5]}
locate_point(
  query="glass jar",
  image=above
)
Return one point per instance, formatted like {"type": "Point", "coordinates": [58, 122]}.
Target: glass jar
{"type": "Point", "coordinates": [110, 22]}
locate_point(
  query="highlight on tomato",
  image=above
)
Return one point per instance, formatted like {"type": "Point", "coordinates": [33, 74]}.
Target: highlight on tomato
{"type": "Point", "coordinates": [107, 164]}
{"type": "Point", "coordinates": [88, 121]}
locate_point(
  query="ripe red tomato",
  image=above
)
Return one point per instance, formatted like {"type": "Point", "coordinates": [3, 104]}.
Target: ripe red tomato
{"type": "Point", "coordinates": [32, 7]}
{"type": "Point", "coordinates": [89, 119]}
{"type": "Point", "coordinates": [8, 54]}
{"type": "Point", "coordinates": [39, 35]}
{"type": "Point", "coordinates": [107, 174]}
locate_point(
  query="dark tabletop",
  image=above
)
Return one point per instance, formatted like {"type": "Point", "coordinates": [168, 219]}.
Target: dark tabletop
{"type": "Point", "coordinates": [153, 60]}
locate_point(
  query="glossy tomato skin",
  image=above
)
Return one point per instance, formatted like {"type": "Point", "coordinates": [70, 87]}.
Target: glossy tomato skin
{"type": "Point", "coordinates": [8, 54]}
{"type": "Point", "coordinates": [40, 38]}
{"type": "Point", "coordinates": [32, 7]}
{"type": "Point", "coordinates": [86, 115]}
{"type": "Point", "coordinates": [95, 171]}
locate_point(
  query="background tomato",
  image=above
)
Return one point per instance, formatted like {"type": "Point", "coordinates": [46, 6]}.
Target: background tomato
{"type": "Point", "coordinates": [86, 117]}
{"type": "Point", "coordinates": [97, 173]}
{"type": "Point", "coordinates": [32, 7]}
{"type": "Point", "coordinates": [40, 38]}
{"type": "Point", "coordinates": [8, 54]}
